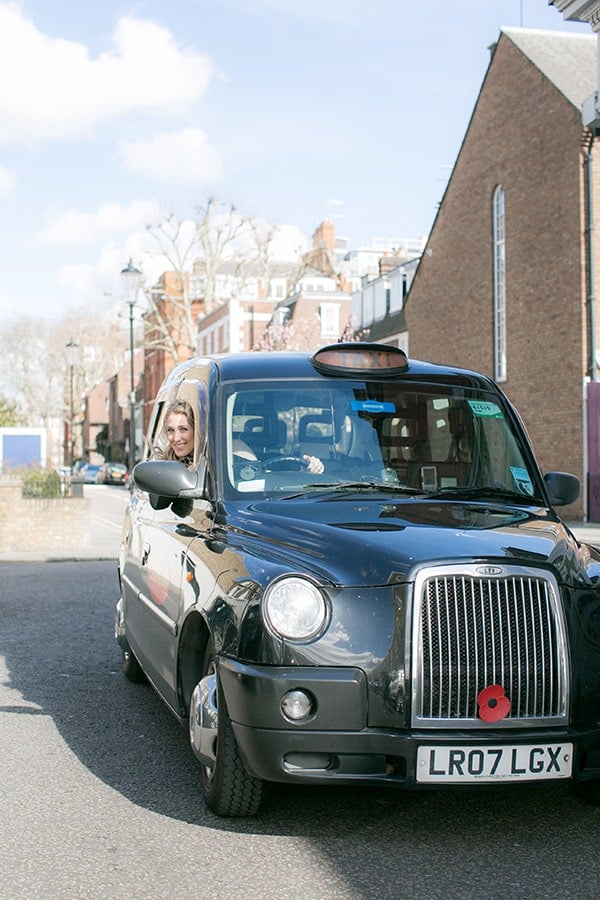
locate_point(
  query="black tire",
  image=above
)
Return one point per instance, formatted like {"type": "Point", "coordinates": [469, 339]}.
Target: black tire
{"type": "Point", "coordinates": [131, 667]}
{"type": "Point", "coordinates": [227, 788]}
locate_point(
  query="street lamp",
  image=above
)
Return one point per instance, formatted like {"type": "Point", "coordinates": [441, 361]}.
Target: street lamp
{"type": "Point", "coordinates": [71, 354]}
{"type": "Point", "coordinates": [131, 279]}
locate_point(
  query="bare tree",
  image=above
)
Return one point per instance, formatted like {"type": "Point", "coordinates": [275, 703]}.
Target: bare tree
{"type": "Point", "coordinates": [206, 261]}
{"type": "Point", "coordinates": [102, 347]}
{"type": "Point", "coordinates": [218, 228]}
{"type": "Point", "coordinates": [9, 416]}
{"type": "Point", "coordinates": [35, 370]}
{"type": "Point", "coordinates": [193, 252]}
{"type": "Point", "coordinates": [259, 260]}
{"type": "Point", "coordinates": [31, 371]}
{"type": "Point", "coordinates": [170, 316]}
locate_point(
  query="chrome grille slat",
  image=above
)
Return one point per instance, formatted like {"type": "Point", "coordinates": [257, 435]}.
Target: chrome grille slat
{"type": "Point", "coordinates": [472, 630]}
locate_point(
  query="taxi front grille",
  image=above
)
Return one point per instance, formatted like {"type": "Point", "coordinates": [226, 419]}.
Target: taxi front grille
{"type": "Point", "coordinates": [473, 631]}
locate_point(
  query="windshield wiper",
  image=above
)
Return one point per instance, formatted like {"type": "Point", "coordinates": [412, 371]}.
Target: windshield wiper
{"type": "Point", "coordinates": [498, 493]}
{"type": "Point", "coordinates": [354, 486]}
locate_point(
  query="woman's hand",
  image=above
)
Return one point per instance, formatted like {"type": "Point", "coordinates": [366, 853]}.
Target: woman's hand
{"type": "Point", "coordinates": [313, 465]}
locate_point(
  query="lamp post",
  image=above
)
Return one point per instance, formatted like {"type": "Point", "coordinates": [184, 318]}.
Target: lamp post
{"type": "Point", "coordinates": [71, 353]}
{"type": "Point", "coordinates": [131, 279]}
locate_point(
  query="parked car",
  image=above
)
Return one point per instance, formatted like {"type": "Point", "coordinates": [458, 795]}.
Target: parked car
{"type": "Point", "coordinates": [416, 616]}
{"type": "Point", "coordinates": [113, 473]}
{"type": "Point", "coordinates": [89, 473]}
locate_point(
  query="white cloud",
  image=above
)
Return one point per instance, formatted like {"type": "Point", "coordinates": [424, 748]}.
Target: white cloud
{"type": "Point", "coordinates": [182, 156]}
{"type": "Point", "coordinates": [58, 91]}
{"type": "Point", "coordinates": [72, 228]}
{"type": "Point", "coordinates": [100, 282]}
{"type": "Point", "coordinates": [7, 180]}
{"type": "Point", "coordinates": [80, 279]}
{"type": "Point", "coordinates": [288, 243]}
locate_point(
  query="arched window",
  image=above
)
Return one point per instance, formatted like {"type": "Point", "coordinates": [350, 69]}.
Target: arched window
{"type": "Point", "coordinates": [499, 286]}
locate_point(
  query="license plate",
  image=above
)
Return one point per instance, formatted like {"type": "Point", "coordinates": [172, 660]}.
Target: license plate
{"type": "Point", "coordinates": [523, 762]}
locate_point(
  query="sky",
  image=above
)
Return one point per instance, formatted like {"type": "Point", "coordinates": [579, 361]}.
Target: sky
{"type": "Point", "coordinates": [115, 115]}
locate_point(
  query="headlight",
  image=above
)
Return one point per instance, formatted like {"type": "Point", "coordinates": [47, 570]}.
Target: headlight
{"type": "Point", "coordinates": [294, 608]}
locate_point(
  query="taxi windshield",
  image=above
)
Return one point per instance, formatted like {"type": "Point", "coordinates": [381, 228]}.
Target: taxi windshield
{"type": "Point", "coordinates": [397, 434]}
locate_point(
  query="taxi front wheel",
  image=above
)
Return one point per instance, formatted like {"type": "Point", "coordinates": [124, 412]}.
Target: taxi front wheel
{"type": "Point", "coordinates": [227, 789]}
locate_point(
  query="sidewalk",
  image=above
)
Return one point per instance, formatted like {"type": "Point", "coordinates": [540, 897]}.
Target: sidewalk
{"type": "Point", "coordinates": [586, 532]}
{"type": "Point", "coordinates": [104, 542]}
{"type": "Point", "coordinates": [104, 546]}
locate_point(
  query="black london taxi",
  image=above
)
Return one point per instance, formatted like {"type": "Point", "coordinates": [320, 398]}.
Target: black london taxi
{"type": "Point", "coordinates": [412, 613]}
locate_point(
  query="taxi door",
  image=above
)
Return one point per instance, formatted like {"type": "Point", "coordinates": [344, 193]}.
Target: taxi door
{"type": "Point", "coordinates": [154, 614]}
{"type": "Point", "coordinates": [156, 562]}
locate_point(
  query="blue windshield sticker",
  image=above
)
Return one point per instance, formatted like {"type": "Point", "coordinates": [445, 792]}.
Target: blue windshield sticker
{"type": "Point", "coordinates": [522, 480]}
{"type": "Point", "coordinates": [485, 408]}
{"type": "Point", "coordinates": [372, 406]}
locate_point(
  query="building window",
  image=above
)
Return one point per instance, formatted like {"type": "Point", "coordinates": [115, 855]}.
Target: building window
{"type": "Point", "coordinates": [330, 319]}
{"type": "Point", "coordinates": [282, 314]}
{"type": "Point", "coordinates": [499, 286]}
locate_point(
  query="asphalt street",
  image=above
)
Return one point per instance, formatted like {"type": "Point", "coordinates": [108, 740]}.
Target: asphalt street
{"type": "Point", "coordinates": [100, 792]}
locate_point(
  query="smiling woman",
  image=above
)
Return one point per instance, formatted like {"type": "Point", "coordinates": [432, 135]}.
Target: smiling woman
{"type": "Point", "coordinates": [179, 431]}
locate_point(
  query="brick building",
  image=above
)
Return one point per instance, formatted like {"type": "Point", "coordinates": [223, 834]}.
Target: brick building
{"type": "Point", "coordinates": [94, 421]}
{"type": "Point", "coordinates": [105, 418]}
{"type": "Point", "coordinates": [244, 299]}
{"type": "Point", "coordinates": [235, 325]}
{"type": "Point", "coordinates": [170, 334]}
{"type": "Point", "coordinates": [504, 284]}
{"type": "Point", "coordinates": [315, 296]}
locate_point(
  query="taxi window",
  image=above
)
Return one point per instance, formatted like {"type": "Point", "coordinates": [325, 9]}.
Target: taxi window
{"type": "Point", "coordinates": [190, 399]}
{"type": "Point", "coordinates": [426, 437]}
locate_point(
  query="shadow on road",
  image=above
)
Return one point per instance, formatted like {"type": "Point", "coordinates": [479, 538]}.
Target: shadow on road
{"type": "Point", "coordinates": [63, 662]}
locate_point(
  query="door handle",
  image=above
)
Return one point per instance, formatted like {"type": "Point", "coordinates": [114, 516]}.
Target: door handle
{"type": "Point", "coordinates": [145, 553]}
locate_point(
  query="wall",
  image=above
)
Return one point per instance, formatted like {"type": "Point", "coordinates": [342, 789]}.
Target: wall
{"type": "Point", "coordinates": [41, 525]}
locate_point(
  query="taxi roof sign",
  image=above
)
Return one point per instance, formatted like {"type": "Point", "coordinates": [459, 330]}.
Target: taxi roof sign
{"type": "Point", "coordinates": [360, 358]}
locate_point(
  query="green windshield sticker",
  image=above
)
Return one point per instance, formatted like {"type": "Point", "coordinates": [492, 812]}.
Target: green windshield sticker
{"type": "Point", "coordinates": [485, 408]}
{"type": "Point", "coordinates": [522, 480]}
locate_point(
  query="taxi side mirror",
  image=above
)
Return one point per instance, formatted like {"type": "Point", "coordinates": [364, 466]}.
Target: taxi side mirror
{"type": "Point", "coordinates": [562, 487]}
{"type": "Point", "coordinates": [170, 480]}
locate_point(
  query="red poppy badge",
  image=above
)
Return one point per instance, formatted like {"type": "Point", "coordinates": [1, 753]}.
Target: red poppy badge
{"type": "Point", "coordinates": [493, 703]}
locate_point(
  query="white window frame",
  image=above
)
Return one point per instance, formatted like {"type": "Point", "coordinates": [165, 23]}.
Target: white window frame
{"type": "Point", "coordinates": [499, 251]}
{"type": "Point", "coordinates": [330, 319]}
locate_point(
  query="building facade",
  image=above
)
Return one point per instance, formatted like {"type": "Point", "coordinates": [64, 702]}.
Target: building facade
{"type": "Point", "coordinates": [504, 285]}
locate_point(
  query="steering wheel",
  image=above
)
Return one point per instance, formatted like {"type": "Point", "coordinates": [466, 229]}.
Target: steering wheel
{"type": "Point", "coordinates": [284, 464]}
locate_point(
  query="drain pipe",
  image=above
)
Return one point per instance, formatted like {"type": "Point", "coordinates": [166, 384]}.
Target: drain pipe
{"type": "Point", "coordinates": [589, 252]}
{"type": "Point", "coordinates": [590, 310]}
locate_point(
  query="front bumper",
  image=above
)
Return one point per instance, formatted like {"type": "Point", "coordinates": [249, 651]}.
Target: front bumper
{"type": "Point", "coordinates": [336, 745]}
